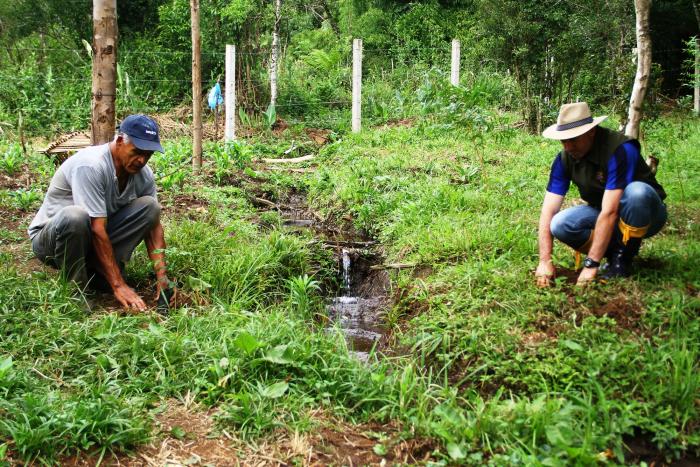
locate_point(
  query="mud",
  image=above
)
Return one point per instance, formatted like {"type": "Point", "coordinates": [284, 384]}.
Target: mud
{"type": "Point", "coordinates": [640, 449]}
{"type": "Point", "coordinates": [623, 310]}
{"type": "Point", "coordinates": [188, 435]}
{"type": "Point", "coordinates": [184, 205]}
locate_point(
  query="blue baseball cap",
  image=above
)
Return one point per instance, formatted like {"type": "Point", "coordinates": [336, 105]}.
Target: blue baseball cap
{"type": "Point", "coordinates": [143, 132]}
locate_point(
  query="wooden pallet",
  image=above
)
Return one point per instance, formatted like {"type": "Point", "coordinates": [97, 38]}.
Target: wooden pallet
{"type": "Point", "coordinates": [66, 145]}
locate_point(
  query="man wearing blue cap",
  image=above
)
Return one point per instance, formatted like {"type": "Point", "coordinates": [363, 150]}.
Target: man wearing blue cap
{"type": "Point", "coordinates": [100, 205]}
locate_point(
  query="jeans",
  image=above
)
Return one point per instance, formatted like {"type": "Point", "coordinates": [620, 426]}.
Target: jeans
{"type": "Point", "coordinates": [65, 241]}
{"type": "Point", "coordinates": [640, 207]}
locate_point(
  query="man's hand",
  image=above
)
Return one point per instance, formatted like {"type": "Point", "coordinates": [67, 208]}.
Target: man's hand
{"type": "Point", "coordinates": [545, 270]}
{"type": "Point", "coordinates": [128, 298]}
{"type": "Point", "coordinates": [545, 273]}
{"type": "Point", "coordinates": [587, 276]}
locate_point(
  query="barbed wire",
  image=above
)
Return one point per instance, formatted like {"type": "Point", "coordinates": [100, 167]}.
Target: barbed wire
{"type": "Point", "coordinates": [267, 52]}
{"type": "Point", "coordinates": [401, 48]}
{"type": "Point", "coordinates": [280, 104]}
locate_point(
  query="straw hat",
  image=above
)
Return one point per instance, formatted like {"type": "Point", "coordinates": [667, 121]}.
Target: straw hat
{"type": "Point", "coordinates": [574, 120]}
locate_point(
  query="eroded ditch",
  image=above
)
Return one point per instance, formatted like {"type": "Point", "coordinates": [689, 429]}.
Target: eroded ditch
{"type": "Point", "coordinates": [358, 304]}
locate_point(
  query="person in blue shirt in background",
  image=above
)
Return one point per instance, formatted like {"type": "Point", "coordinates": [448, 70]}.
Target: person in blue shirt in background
{"type": "Point", "coordinates": [624, 200]}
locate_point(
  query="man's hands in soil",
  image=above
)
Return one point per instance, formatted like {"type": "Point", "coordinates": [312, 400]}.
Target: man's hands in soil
{"type": "Point", "coordinates": [545, 274]}
{"type": "Point", "coordinates": [587, 276]}
{"type": "Point", "coordinates": [128, 298]}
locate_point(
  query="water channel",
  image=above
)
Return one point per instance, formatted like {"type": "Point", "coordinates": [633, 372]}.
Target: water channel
{"type": "Point", "coordinates": [358, 307]}
{"type": "Point", "coordinates": [359, 304]}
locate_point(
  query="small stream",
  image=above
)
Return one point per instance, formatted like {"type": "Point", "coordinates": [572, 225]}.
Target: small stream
{"type": "Point", "coordinates": [358, 306]}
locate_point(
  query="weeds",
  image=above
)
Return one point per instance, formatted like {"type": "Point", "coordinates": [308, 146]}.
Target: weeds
{"type": "Point", "coordinates": [229, 157]}
{"type": "Point", "coordinates": [11, 159]}
{"type": "Point", "coordinates": [301, 293]}
{"type": "Point", "coordinates": [492, 369]}
{"type": "Point", "coordinates": [26, 199]}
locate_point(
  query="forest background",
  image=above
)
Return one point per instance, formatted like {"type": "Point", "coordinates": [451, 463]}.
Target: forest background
{"type": "Point", "coordinates": [527, 57]}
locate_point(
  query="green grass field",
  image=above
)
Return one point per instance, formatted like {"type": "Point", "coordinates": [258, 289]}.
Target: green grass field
{"type": "Point", "coordinates": [481, 366]}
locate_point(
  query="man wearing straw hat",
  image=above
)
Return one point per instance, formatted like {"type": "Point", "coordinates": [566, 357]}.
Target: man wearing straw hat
{"type": "Point", "coordinates": [624, 200]}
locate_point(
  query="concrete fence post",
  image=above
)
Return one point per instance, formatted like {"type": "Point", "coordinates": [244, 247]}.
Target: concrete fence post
{"type": "Point", "coordinates": [356, 85]}
{"type": "Point", "coordinates": [230, 93]}
{"type": "Point", "coordinates": [696, 96]}
{"type": "Point", "coordinates": [454, 75]}
{"type": "Point", "coordinates": [196, 87]}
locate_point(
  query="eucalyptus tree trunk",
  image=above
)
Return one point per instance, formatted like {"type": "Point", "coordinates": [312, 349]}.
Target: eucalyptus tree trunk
{"type": "Point", "coordinates": [641, 79]}
{"type": "Point", "coordinates": [196, 87]}
{"type": "Point", "coordinates": [104, 69]}
{"type": "Point", "coordinates": [275, 53]}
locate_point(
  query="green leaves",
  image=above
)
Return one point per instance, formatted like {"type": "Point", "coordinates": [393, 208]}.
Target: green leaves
{"type": "Point", "coordinates": [280, 355]}
{"type": "Point", "coordinates": [11, 158]}
{"type": "Point", "coordinates": [571, 345]}
{"type": "Point", "coordinates": [274, 391]}
{"type": "Point", "coordinates": [559, 435]}
{"type": "Point", "coordinates": [26, 199]}
{"type": "Point", "coordinates": [323, 61]}
{"type": "Point", "coordinates": [302, 290]}
{"type": "Point", "coordinates": [270, 116]}
{"type": "Point", "coordinates": [5, 367]}
{"type": "Point", "coordinates": [455, 452]}
{"type": "Point", "coordinates": [197, 284]}
{"type": "Point", "coordinates": [380, 449]}
{"type": "Point", "coordinates": [247, 343]}
{"type": "Point", "coordinates": [236, 12]}
{"type": "Point", "coordinates": [178, 432]}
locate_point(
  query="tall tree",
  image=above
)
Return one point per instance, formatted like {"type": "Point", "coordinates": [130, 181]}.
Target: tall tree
{"type": "Point", "coordinates": [104, 69]}
{"type": "Point", "coordinates": [641, 79]}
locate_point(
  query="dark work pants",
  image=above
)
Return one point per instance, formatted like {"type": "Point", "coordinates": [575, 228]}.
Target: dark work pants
{"type": "Point", "coordinates": [65, 241]}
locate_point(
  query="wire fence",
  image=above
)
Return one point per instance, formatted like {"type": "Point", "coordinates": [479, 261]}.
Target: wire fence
{"type": "Point", "coordinates": [134, 94]}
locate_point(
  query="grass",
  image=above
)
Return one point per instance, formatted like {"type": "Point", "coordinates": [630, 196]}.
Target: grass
{"type": "Point", "coordinates": [486, 365]}
{"type": "Point", "coordinates": [467, 206]}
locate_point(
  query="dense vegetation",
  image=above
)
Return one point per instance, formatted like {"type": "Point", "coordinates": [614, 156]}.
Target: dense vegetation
{"type": "Point", "coordinates": [484, 363]}
{"type": "Point", "coordinates": [551, 51]}
{"type": "Point", "coordinates": [479, 363]}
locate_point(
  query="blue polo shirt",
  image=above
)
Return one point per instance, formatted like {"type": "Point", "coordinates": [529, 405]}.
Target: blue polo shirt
{"type": "Point", "coordinates": [620, 170]}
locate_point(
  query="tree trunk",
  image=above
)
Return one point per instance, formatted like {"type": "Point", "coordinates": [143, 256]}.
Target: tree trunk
{"type": "Point", "coordinates": [641, 79]}
{"type": "Point", "coordinates": [275, 53]}
{"type": "Point", "coordinates": [196, 87]}
{"type": "Point", "coordinates": [104, 69]}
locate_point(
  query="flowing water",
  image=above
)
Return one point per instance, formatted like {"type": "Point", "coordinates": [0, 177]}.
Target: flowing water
{"type": "Point", "coordinates": [358, 316]}
{"type": "Point", "coordinates": [358, 307]}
